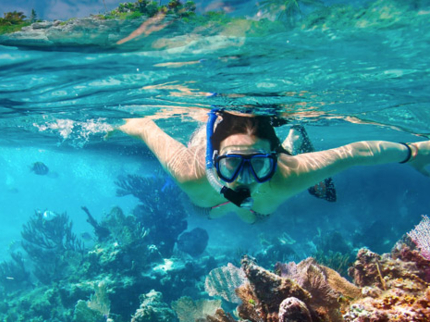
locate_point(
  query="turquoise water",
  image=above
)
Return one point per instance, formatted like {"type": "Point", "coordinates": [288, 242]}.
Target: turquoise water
{"type": "Point", "coordinates": [345, 83]}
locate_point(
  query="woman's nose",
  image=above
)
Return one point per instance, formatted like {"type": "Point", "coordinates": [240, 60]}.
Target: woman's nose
{"type": "Point", "coordinates": [245, 175]}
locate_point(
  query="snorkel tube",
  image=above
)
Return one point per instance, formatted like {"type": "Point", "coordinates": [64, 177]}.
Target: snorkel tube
{"type": "Point", "coordinates": [242, 197]}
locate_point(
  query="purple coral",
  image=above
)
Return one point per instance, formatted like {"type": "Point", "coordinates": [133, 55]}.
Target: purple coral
{"type": "Point", "coordinates": [420, 235]}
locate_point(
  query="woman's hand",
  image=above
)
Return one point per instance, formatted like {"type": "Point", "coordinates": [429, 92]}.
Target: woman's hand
{"type": "Point", "coordinates": [133, 127]}
{"type": "Point", "coordinates": [136, 127]}
{"type": "Point", "coordinates": [420, 159]}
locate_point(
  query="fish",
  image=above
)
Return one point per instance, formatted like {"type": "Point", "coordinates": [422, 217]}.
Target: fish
{"type": "Point", "coordinates": [48, 215]}
{"type": "Point", "coordinates": [86, 237]}
{"type": "Point", "coordinates": [39, 168]}
{"type": "Point", "coordinates": [42, 169]}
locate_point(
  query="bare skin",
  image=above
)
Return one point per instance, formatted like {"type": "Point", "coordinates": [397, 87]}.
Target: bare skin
{"type": "Point", "coordinates": [294, 173]}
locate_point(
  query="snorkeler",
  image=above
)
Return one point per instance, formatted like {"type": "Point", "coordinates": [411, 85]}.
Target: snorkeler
{"type": "Point", "coordinates": [241, 166]}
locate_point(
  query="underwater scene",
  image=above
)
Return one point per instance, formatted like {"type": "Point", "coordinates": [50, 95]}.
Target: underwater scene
{"type": "Point", "coordinates": [92, 226]}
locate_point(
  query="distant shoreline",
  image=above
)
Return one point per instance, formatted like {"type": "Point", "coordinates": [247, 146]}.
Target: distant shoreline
{"type": "Point", "coordinates": [123, 30]}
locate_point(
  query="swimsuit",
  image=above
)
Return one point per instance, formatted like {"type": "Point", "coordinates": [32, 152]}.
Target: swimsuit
{"type": "Point", "coordinates": [206, 212]}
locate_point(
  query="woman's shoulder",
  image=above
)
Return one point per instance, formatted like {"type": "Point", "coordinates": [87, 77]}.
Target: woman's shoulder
{"type": "Point", "coordinates": [198, 138]}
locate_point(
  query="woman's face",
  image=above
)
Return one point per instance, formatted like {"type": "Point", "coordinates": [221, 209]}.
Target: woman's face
{"type": "Point", "coordinates": [244, 144]}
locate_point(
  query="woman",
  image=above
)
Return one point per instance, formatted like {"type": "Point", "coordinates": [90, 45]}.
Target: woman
{"type": "Point", "coordinates": [244, 168]}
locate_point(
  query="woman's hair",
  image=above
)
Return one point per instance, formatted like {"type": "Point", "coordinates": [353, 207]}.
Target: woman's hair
{"type": "Point", "coordinates": [259, 126]}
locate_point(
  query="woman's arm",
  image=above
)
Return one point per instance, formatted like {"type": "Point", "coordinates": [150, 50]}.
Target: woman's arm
{"type": "Point", "coordinates": [307, 169]}
{"type": "Point", "coordinates": [179, 161]}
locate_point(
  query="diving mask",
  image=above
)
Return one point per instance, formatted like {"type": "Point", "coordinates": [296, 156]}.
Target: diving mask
{"type": "Point", "coordinates": [262, 166]}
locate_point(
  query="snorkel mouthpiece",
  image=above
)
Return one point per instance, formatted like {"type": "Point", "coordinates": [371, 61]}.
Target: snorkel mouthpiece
{"type": "Point", "coordinates": [241, 197]}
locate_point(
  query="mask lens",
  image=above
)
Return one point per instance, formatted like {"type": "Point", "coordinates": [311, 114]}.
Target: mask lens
{"type": "Point", "coordinates": [262, 166]}
{"type": "Point", "coordinates": [228, 167]}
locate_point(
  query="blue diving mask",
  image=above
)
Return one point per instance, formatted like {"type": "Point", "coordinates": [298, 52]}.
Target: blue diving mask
{"type": "Point", "coordinates": [262, 166]}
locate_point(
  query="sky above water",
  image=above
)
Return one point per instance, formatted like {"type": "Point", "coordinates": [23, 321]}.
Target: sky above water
{"type": "Point", "coordinates": [66, 9]}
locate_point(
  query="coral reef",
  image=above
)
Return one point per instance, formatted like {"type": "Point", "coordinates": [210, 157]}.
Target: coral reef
{"type": "Point", "coordinates": [193, 242]}
{"type": "Point", "coordinates": [164, 220]}
{"type": "Point", "coordinates": [420, 236]}
{"type": "Point", "coordinates": [51, 245]}
{"type": "Point", "coordinates": [56, 279]}
{"type": "Point", "coordinates": [223, 281]}
{"type": "Point", "coordinates": [152, 308]}
{"type": "Point", "coordinates": [188, 310]}
{"type": "Point", "coordinates": [332, 250]}
{"type": "Point", "coordinates": [13, 274]}
{"type": "Point", "coordinates": [294, 310]}
{"type": "Point", "coordinates": [264, 292]}
{"type": "Point", "coordinates": [391, 287]}
{"type": "Point", "coordinates": [83, 313]}
{"type": "Point", "coordinates": [317, 287]}
{"type": "Point", "coordinates": [275, 249]}
{"type": "Point", "coordinates": [101, 232]}
{"type": "Point", "coordinates": [133, 255]}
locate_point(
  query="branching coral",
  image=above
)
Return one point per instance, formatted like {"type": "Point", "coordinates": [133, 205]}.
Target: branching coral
{"type": "Point", "coordinates": [99, 301]}
{"type": "Point", "coordinates": [161, 209]}
{"type": "Point", "coordinates": [13, 274]}
{"type": "Point", "coordinates": [125, 230]}
{"type": "Point", "coordinates": [51, 245]}
{"type": "Point", "coordinates": [50, 231]}
{"type": "Point", "coordinates": [153, 309]}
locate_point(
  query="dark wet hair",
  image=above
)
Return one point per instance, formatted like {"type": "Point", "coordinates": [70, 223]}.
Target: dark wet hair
{"type": "Point", "coordinates": [258, 125]}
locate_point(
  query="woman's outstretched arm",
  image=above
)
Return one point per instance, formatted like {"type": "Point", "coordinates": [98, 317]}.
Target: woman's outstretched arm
{"type": "Point", "coordinates": [309, 168]}
{"type": "Point", "coordinates": [178, 160]}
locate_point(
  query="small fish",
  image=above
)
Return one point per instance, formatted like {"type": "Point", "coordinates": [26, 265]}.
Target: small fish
{"type": "Point", "coordinates": [87, 237]}
{"type": "Point", "coordinates": [48, 215]}
{"type": "Point", "coordinates": [40, 168]}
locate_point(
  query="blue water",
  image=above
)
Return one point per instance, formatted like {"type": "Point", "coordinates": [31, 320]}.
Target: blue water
{"type": "Point", "coordinates": [345, 84]}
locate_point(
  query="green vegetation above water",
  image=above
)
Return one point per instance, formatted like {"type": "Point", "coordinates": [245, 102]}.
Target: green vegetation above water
{"type": "Point", "coordinates": [146, 8]}
{"type": "Point", "coordinates": [15, 21]}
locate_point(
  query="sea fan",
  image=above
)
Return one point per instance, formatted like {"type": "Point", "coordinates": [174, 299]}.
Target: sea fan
{"type": "Point", "coordinates": [223, 281]}
{"type": "Point", "coordinates": [420, 235]}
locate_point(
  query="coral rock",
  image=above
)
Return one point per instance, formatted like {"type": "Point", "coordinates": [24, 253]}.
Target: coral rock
{"type": "Point", "coordinates": [293, 310]}
{"type": "Point", "coordinates": [265, 293]}
{"type": "Point", "coordinates": [193, 242]}
{"type": "Point", "coordinates": [395, 288]}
